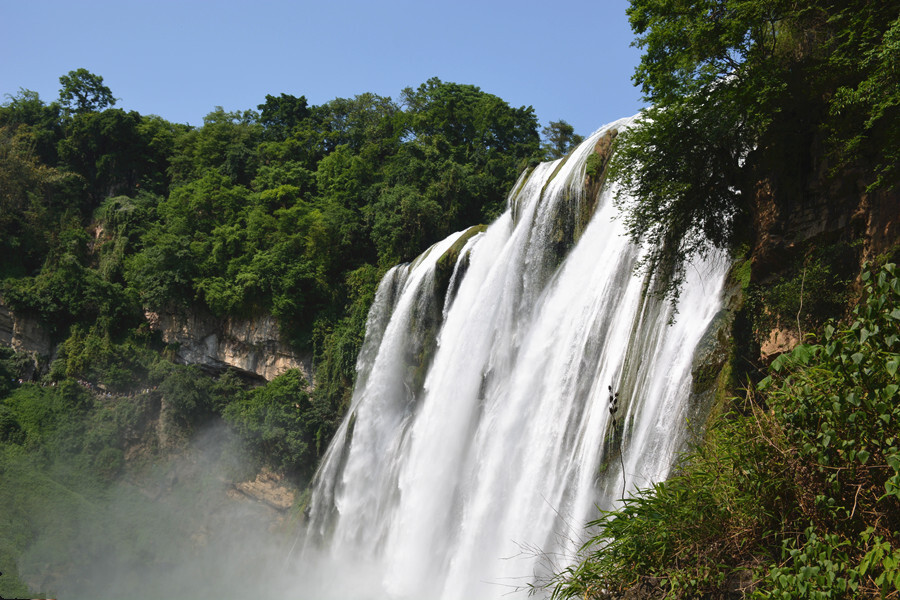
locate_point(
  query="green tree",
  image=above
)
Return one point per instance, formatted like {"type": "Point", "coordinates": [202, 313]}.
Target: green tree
{"type": "Point", "coordinates": [42, 120]}
{"type": "Point", "coordinates": [112, 151]}
{"type": "Point", "coordinates": [226, 142]}
{"type": "Point", "coordinates": [279, 421]}
{"type": "Point", "coordinates": [749, 86]}
{"type": "Point", "coordinates": [82, 92]}
{"type": "Point", "coordinates": [281, 114]}
{"type": "Point", "coordinates": [559, 139]}
{"type": "Point", "coordinates": [463, 149]}
{"type": "Point", "coordinates": [32, 198]}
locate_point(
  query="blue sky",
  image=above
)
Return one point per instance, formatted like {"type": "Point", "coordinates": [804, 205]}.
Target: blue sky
{"type": "Point", "coordinates": [569, 59]}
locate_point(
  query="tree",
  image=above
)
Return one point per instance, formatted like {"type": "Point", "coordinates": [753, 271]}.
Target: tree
{"type": "Point", "coordinates": [82, 92]}
{"type": "Point", "coordinates": [112, 151]}
{"type": "Point", "coordinates": [559, 139]}
{"type": "Point", "coordinates": [280, 115]}
{"type": "Point", "coordinates": [463, 150]}
{"type": "Point", "coordinates": [741, 87]}
{"type": "Point", "coordinates": [279, 420]}
{"type": "Point", "coordinates": [43, 120]}
{"type": "Point", "coordinates": [226, 142]}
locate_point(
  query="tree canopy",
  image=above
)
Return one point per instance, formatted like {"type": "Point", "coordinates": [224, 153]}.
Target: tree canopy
{"type": "Point", "coordinates": [291, 209]}
{"type": "Point", "coordinates": [559, 139]}
{"type": "Point", "coordinates": [83, 91]}
{"type": "Point", "coordinates": [739, 85]}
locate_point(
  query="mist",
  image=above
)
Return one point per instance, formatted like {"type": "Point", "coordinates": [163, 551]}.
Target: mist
{"type": "Point", "coordinates": [178, 528]}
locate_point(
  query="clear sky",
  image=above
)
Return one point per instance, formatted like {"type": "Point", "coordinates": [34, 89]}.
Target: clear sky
{"type": "Point", "coordinates": [569, 59]}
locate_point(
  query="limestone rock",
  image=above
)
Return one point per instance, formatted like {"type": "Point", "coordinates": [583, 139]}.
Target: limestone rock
{"type": "Point", "coordinates": [779, 341]}
{"type": "Point", "coordinates": [25, 334]}
{"type": "Point", "coordinates": [269, 489]}
{"type": "Point", "coordinates": [253, 346]}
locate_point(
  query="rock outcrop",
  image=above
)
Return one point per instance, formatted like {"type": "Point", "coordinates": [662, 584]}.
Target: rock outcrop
{"type": "Point", "coordinates": [268, 488]}
{"type": "Point", "coordinates": [826, 210]}
{"type": "Point", "coordinates": [26, 335]}
{"type": "Point", "coordinates": [252, 346]}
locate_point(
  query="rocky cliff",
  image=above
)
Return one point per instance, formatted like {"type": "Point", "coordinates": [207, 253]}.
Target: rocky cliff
{"type": "Point", "coordinates": [25, 335]}
{"type": "Point", "coordinates": [253, 346]}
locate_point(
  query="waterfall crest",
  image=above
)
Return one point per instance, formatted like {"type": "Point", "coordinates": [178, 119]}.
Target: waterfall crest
{"type": "Point", "coordinates": [479, 434]}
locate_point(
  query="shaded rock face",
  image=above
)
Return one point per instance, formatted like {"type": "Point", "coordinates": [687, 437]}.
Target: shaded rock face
{"type": "Point", "coordinates": [594, 178]}
{"type": "Point", "coordinates": [252, 346]}
{"type": "Point", "coordinates": [796, 210]}
{"type": "Point", "coordinates": [26, 335]}
{"type": "Point", "coordinates": [824, 210]}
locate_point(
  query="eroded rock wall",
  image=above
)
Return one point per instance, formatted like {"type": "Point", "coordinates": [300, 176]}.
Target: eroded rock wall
{"type": "Point", "coordinates": [253, 346]}
{"type": "Point", "coordinates": [26, 335]}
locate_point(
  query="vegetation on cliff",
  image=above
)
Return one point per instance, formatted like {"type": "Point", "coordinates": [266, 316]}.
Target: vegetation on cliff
{"type": "Point", "coordinates": [291, 210]}
{"type": "Point", "coordinates": [746, 90]}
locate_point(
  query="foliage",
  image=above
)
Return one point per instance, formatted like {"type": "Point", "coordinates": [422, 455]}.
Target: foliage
{"type": "Point", "coordinates": [837, 402]}
{"type": "Point", "coordinates": [280, 115]}
{"type": "Point", "coordinates": [743, 89]}
{"type": "Point", "coordinates": [31, 197]}
{"type": "Point", "coordinates": [42, 122]}
{"type": "Point", "coordinates": [817, 445]}
{"type": "Point", "coordinates": [293, 210]}
{"type": "Point", "coordinates": [817, 285]}
{"type": "Point", "coordinates": [688, 205]}
{"type": "Point", "coordinates": [341, 343]}
{"type": "Point", "coordinates": [278, 421]}
{"type": "Point", "coordinates": [559, 139]}
{"type": "Point", "coordinates": [872, 98]}
{"type": "Point", "coordinates": [470, 146]}
{"type": "Point", "coordinates": [117, 152]}
{"type": "Point", "coordinates": [83, 91]}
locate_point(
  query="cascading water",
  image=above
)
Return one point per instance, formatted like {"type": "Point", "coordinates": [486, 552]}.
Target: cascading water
{"type": "Point", "coordinates": [479, 438]}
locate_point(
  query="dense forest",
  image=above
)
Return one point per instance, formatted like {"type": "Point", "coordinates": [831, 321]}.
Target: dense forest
{"type": "Point", "coordinates": [762, 111]}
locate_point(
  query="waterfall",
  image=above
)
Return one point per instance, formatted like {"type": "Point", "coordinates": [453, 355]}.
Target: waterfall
{"type": "Point", "coordinates": [479, 440]}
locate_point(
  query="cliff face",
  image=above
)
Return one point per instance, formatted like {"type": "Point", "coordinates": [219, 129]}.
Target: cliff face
{"type": "Point", "coordinates": [828, 212]}
{"type": "Point", "coordinates": [26, 335]}
{"type": "Point", "coordinates": [796, 212]}
{"type": "Point", "coordinates": [252, 346]}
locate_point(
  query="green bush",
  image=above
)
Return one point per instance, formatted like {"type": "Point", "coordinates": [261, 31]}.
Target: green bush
{"type": "Point", "coordinates": [10, 430]}
{"type": "Point", "coordinates": [278, 421]}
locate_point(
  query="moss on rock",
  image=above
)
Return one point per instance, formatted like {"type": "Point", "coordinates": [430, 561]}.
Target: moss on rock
{"type": "Point", "coordinates": [446, 264]}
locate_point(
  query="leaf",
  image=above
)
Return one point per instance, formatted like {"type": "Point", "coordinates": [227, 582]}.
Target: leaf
{"type": "Point", "coordinates": [892, 365]}
{"type": "Point", "coordinates": [779, 363]}
{"type": "Point", "coordinates": [863, 456]}
{"type": "Point", "coordinates": [802, 354]}
{"type": "Point", "coordinates": [857, 358]}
